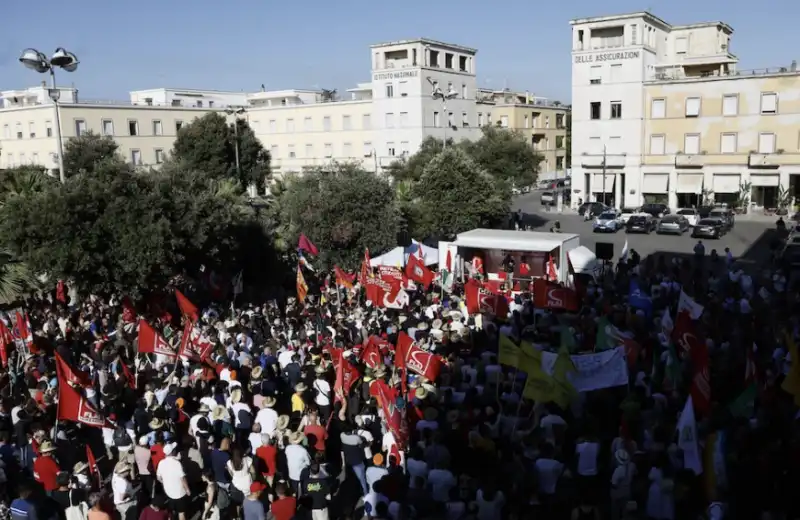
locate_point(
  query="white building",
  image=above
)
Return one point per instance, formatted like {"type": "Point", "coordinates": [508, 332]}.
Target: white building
{"type": "Point", "coordinates": [614, 59]}
{"type": "Point", "coordinates": [190, 98]}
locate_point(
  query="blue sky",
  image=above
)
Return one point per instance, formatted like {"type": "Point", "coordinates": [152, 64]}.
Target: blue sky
{"type": "Point", "coordinates": [240, 44]}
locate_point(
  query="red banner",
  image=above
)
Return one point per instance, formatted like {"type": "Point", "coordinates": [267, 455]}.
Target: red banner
{"type": "Point", "coordinates": [71, 375]}
{"type": "Point", "coordinates": [412, 357]}
{"type": "Point", "coordinates": [151, 342]}
{"type": "Point", "coordinates": [690, 343]}
{"type": "Point", "coordinates": [481, 299]}
{"type": "Point", "coordinates": [550, 295]}
{"type": "Point", "coordinates": [74, 407]}
{"type": "Point", "coordinates": [416, 271]}
{"type": "Point", "coordinates": [346, 375]}
{"type": "Point", "coordinates": [371, 355]}
{"type": "Point", "coordinates": [188, 309]}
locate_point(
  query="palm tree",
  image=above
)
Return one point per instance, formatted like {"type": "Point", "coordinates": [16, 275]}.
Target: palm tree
{"type": "Point", "coordinates": [16, 279]}
{"type": "Point", "coordinates": [23, 181]}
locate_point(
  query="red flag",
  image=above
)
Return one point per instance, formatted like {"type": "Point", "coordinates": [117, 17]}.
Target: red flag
{"type": "Point", "coordinates": [71, 375]}
{"type": "Point", "coordinates": [72, 406]}
{"type": "Point", "coordinates": [304, 244]}
{"type": "Point", "coordinates": [6, 339]}
{"type": "Point", "coordinates": [91, 461]}
{"type": "Point", "coordinates": [550, 295]}
{"type": "Point", "coordinates": [302, 287]}
{"type": "Point", "coordinates": [387, 397]}
{"type": "Point", "coordinates": [151, 342]}
{"type": "Point", "coordinates": [480, 298]}
{"type": "Point", "coordinates": [366, 268]}
{"type": "Point", "coordinates": [684, 335]}
{"type": "Point", "coordinates": [188, 309]}
{"type": "Point", "coordinates": [342, 278]}
{"type": "Point", "coordinates": [22, 331]}
{"type": "Point", "coordinates": [377, 290]}
{"type": "Point", "coordinates": [414, 358]}
{"type": "Point", "coordinates": [193, 345]}
{"type": "Point", "coordinates": [416, 270]}
{"type": "Point", "coordinates": [128, 312]}
{"type": "Point", "coordinates": [346, 375]}
{"type": "Point", "coordinates": [128, 376]}
{"type": "Point", "coordinates": [371, 355]}
{"type": "Point", "coordinates": [61, 291]}
{"type": "Point", "coordinates": [449, 262]}
{"type": "Point", "coordinates": [552, 274]}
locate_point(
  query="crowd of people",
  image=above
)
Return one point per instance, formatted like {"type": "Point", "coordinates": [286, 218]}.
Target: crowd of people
{"type": "Point", "coordinates": [309, 407]}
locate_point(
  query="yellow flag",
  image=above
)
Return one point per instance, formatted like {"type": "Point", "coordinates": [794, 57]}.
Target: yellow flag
{"type": "Point", "coordinates": [530, 359]}
{"type": "Point", "coordinates": [791, 383]}
{"type": "Point", "coordinates": [508, 354]}
{"type": "Point", "coordinates": [544, 388]}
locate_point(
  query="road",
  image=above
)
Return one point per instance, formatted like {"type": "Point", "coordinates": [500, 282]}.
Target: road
{"type": "Point", "coordinates": [748, 241]}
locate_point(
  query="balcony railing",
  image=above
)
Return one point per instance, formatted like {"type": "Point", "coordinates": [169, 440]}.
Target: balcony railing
{"type": "Point", "coordinates": [678, 73]}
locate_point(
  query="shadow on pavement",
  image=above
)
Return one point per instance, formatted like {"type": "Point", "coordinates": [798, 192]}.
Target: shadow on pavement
{"type": "Point", "coordinates": [537, 220]}
{"type": "Point", "coordinates": [760, 251]}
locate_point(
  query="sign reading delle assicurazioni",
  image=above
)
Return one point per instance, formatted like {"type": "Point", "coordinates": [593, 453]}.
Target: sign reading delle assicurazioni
{"type": "Point", "coordinates": [607, 56]}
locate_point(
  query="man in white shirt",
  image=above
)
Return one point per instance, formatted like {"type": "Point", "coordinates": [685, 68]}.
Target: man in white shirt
{"type": "Point", "coordinates": [172, 477]}
{"type": "Point", "coordinates": [267, 417]}
{"type": "Point", "coordinates": [203, 411]}
{"type": "Point", "coordinates": [322, 394]}
{"type": "Point", "coordinates": [440, 481]}
{"type": "Point", "coordinates": [124, 496]}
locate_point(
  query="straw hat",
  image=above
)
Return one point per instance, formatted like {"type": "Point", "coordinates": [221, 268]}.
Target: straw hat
{"type": "Point", "coordinates": [156, 424]}
{"type": "Point", "coordinates": [283, 422]}
{"type": "Point", "coordinates": [236, 395]}
{"type": "Point", "coordinates": [430, 414]}
{"type": "Point", "coordinates": [300, 387]}
{"type": "Point", "coordinates": [256, 373]}
{"type": "Point", "coordinates": [268, 402]}
{"type": "Point", "coordinates": [219, 413]}
{"type": "Point", "coordinates": [456, 315]}
{"type": "Point", "coordinates": [421, 393]}
{"type": "Point", "coordinates": [320, 369]}
{"type": "Point", "coordinates": [80, 467]}
{"type": "Point", "coordinates": [203, 408]}
{"type": "Point", "coordinates": [379, 371]}
{"type": "Point", "coordinates": [437, 324]}
{"type": "Point", "coordinates": [437, 334]}
{"type": "Point", "coordinates": [122, 468]}
{"type": "Point", "coordinates": [46, 447]}
{"type": "Point", "coordinates": [296, 437]}
{"type": "Point", "coordinates": [422, 326]}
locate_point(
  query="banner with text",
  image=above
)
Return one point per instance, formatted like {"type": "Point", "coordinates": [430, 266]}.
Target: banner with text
{"type": "Point", "coordinates": [593, 371]}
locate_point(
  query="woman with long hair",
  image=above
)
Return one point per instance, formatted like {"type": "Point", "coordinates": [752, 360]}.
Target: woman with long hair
{"type": "Point", "coordinates": [242, 472]}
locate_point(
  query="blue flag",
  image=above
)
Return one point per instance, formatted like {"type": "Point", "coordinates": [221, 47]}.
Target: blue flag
{"type": "Point", "coordinates": [638, 299]}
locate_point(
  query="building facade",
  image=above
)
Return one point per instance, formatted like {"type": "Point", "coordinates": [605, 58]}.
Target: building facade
{"type": "Point", "coordinates": [543, 124]}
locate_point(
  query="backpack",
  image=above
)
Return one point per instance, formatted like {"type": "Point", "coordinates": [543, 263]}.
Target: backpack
{"type": "Point", "coordinates": [223, 500]}
{"type": "Point", "coordinates": [79, 511]}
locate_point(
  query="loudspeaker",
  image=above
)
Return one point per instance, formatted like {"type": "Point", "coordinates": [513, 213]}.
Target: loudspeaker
{"type": "Point", "coordinates": [604, 250]}
{"type": "Point", "coordinates": [403, 239]}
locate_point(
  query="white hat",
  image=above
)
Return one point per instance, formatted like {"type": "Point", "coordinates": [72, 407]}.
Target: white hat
{"type": "Point", "coordinates": [170, 448]}
{"type": "Point", "coordinates": [622, 456]}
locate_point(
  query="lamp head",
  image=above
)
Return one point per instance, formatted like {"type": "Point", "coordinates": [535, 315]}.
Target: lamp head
{"type": "Point", "coordinates": [34, 60]}
{"type": "Point", "coordinates": [64, 59]}
{"type": "Point", "coordinates": [451, 94]}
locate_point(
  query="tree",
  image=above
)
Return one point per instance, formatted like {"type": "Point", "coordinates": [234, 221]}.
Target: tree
{"type": "Point", "coordinates": [410, 168]}
{"type": "Point", "coordinates": [208, 144]}
{"type": "Point", "coordinates": [568, 143]}
{"type": "Point", "coordinates": [505, 155]}
{"type": "Point", "coordinates": [456, 194]}
{"type": "Point", "coordinates": [23, 181]}
{"type": "Point", "coordinates": [85, 153]}
{"type": "Point", "coordinates": [16, 278]}
{"type": "Point", "coordinates": [343, 209]}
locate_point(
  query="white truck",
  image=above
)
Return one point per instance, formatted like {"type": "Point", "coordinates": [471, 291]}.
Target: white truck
{"type": "Point", "coordinates": [548, 198]}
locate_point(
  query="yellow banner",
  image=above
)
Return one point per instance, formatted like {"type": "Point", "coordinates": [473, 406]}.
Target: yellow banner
{"type": "Point", "coordinates": [542, 388]}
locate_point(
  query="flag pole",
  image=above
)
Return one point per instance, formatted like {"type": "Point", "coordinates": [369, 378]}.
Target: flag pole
{"type": "Point", "coordinates": [516, 419]}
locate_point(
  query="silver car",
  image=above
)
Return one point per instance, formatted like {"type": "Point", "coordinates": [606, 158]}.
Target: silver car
{"type": "Point", "coordinates": [672, 224]}
{"type": "Point", "coordinates": [607, 222]}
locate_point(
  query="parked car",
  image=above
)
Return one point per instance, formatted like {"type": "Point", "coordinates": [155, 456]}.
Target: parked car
{"type": "Point", "coordinates": [515, 190]}
{"type": "Point", "coordinates": [709, 228]}
{"type": "Point", "coordinates": [640, 223]}
{"type": "Point", "coordinates": [657, 210]}
{"type": "Point", "coordinates": [526, 189]}
{"type": "Point", "coordinates": [725, 215]}
{"type": "Point", "coordinates": [672, 225]}
{"type": "Point", "coordinates": [594, 208]}
{"type": "Point", "coordinates": [704, 211]}
{"type": "Point", "coordinates": [691, 215]}
{"type": "Point", "coordinates": [626, 213]}
{"type": "Point", "coordinates": [548, 198]}
{"type": "Point", "coordinates": [606, 223]}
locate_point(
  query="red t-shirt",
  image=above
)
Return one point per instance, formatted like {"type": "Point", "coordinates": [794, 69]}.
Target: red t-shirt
{"type": "Point", "coordinates": [284, 508]}
{"type": "Point", "coordinates": [45, 470]}
{"type": "Point", "coordinates": [268, 454]}
{"type": "Point", "coordinates": [157, 455]}
{"type": "Point", "coordinates": [319, 433]}
{"type": "Point", "coordinates": [148, 513]}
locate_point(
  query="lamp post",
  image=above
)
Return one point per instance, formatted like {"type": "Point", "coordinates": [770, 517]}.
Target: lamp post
{"type": "Point", "coordinates": [39, 62]}
{"type": "Point", "coordinates": [236, 112]}
{"type": "Point", "coordinates": [438, 93]}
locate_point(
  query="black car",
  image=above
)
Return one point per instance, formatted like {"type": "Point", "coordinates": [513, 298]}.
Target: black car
{"type": "Point", "coordinates": [657, 210]}
{"type": "Point", "coordinates": [594, 208]}
{"type": "Point", "coordinates": [725, 215]}
{"type": "Point", "coordinates": [640, 224]}
{"type": "Point", "coordinates": [709, 228]}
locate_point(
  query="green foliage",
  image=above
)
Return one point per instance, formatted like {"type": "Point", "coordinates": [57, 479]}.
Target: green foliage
{"type": "Point", "coordinates": [342, 209]}
{"type": "Point", "coordinates": [410, 168]}
{"type": "Point", "coordinates": [568, 140]}
{"type": "Point", "coordinates": [208, 144]}
{"type": "Point", "coordinates": [23, 181]}
{"type": "Point", "coordinates": [88, 152]}
{"type": "Point", "coordinates": [505, 155]}
{"type": "Point", "coordinates": [455, 194]}
{"type": "Point", "coordinates": [16, 278]}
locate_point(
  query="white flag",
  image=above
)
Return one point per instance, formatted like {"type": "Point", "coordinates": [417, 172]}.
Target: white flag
{"type": "Point", "coordinates": [400, 301]}
{"type": "Point", "coordinates": [623, 256]}
{"type": "Point", "coordinates": [687, 304]}
{"type": "Point", "coordinates": [687, 439]}
{"type": "Point", "coordinates": [238, 284]}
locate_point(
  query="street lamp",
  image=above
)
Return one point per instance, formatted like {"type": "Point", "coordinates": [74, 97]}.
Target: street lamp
{"type": "Point", "coordinates": [438, 93]}
{"type": "Point", "coordinates": [236, 112]}
{"type": "Point", "coordinates": [39, 62]}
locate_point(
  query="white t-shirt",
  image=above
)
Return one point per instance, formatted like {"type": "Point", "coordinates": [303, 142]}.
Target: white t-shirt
{"type": "Point", "coordinates": [123, 489]}
{"type": "Point", "coordinates": [297, 459]}
{"type": "Point", "coordinates": [267, 418]}
{"type": "Point", "coordinates": [170, 473]}
{"type": "Point", "coordinates": [587, 452]}
{"type": "Point", "coordinates": [441, 481]}
{"type": "Point", "coordinates": [242, 417]}
{"type": "Point", "coordinates": [323, 392]}
{"type": "Point", "coordinates": [241, 478]}
{"type": "Point", "coordinates": [490, 510]}
{"type": "Point", "coordinates": [416, 468]}
{"type": "Point", "coordinates": [621, 480]}
{"type": "Point", "coordinates": [549, 471]}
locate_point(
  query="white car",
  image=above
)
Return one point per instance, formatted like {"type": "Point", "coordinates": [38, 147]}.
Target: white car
{"type": "Point", "coordinates": [692, 215]}
{"type": "Point", "coordinates": [607, 222]}
{"type": "Point", "coordinates": [625, 214]}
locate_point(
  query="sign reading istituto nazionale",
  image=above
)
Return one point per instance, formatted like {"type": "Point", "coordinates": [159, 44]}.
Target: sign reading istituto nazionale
{"type": "Point", "coordinates": [607, 56]}
{"type": "Point", "coordinates": [395, 75]}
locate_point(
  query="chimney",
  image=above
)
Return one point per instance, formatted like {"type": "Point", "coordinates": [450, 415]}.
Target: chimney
{"type": "Point", "coordinates": [527, 97]}
{"type": "Point", "coordinates": [44, 84]}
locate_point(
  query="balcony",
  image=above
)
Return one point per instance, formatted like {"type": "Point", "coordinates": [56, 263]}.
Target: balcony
{"type": "Point", "coordinates": [683, 160]}
{"type": "Point", "coordinates": [765, 160]}
{"type": "Point", "coordinates": [598, 160]}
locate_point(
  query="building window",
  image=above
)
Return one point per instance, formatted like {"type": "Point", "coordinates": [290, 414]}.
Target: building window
{"type": "Point", "coordinates": [346, 124]}
{"type": "Point", "coordinates": [273, 126]}
{"type": "Point", "coordinates": [559, 163]}
{"type": "Point", "coordinates": [464, 92]}
{"type": "Point", "coordinates": [595, 75]}
{"type": "Point", "coordinates": [559, 142]}
{"type": "Point", "coordinates": [158, 129]}
{"type": "Point", "coordinates": [559, 120]}
{"type": "Point", "coordinates": [389, 90]}
{"type": "Point", "coordinates": [32, 130]}
{"type": "Point", "coordinates": [403, 119]}
{"type": "Point", "coordinates": [309, 151]}
{"type": "Point", "coordinates": [292, 155]}
{"type": "Point", "coordinates": [35, 158]}
{"type": "Point", "coordinates": [489, 119]}
{"type": "Point", "coordinates": [199, 104]}
{"type": "Point", "coordinates": [136, 157]}
{"type": "Point", "coordinates": [403, 88]}
{"type": "Point", "coordinates": [210, 104]}
{"type": "Point", "coordinates": [328, 150]}
{"type": "Point", "coordinates": [347, 150]}
{"type": "Point", "coordinates": [133, 127]}
{"type": "Point", "coordinates": [464, 120]}
{"type": "Point", "coordinates": [290, 125]}
{"type": "Point", "coordinates": [159, 156]}
{"type": "Point", "coordinates": [766, 143]}
{"type": "Point", "coordinates": [448, 61]}
{"type": "Point", "coordinates": [526, 122]}
{"type": "Point", "coordinates": [390, 149]}
{"type": "Point", "coordinates": [48, 128]}
{"type": "Point", "coordinates": [366, 122]}
{"type": "Point", "coordinates": [273, 151]}
{"type": "Point", "coordinates": [691, 144]}
{"type": "Point", "coordinates": [389, 120]}
{"type": "Point", "coordinates": [616, 73]}
{"type": "Point", "coordinates": [107, 127]}
{"type": "Point", "coordinates": [178, 126]}
{"type": "Point", "coordinates": [307, 124]}
{"type": "Point", "coordinates": [22, 159]}
{"type": "Point", "coordinates": [547, 121]}
{"type": "Point", "coordinates": [404, 148]}
{"type": "Point", "coordinates": [462, 63]}
{"type": "Point", "coordinates": [326, 123]}
{"type": "Point", "coordinates": [769, 103]}
{"type": "Point", "coordinates": [727, 143]}
{"type": "Point", "coordinates": [450, 120]}
{"type": "Point", "coordinates": [481, 121]}
{"type": "Point", "coordinates": [730, 105]}
{"type": "Point", "coordinates": [658, 109]}
{"type": "Point", "coordinates": [7, 132]}
{"type": "Point", "coordinates": [657, 145]}
{"type": "Point", "coordinates": [681, 45]}
{"type": "Point", "coordinates": [18, 130]}
{"type": "Point", "coordinates": [504, 121]}
{"type": "Point", "coordinates": [594, 110]}
{"type": "Point", "coordinates": [436, 121]}
{"type": "Point", "coordinates": [80, 127]}
{"type": "Point", "coordinates": [693, 107]}
{"type": "Point", "coordinates": [366, 149]}
{"type": "Point", "coordinates": [616, 110]}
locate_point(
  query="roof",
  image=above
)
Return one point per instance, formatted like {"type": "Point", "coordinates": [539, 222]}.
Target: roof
{"type": "Point", "coordinates": [426, 41]}
{"type": "Point", "coordinates": [512, 240]}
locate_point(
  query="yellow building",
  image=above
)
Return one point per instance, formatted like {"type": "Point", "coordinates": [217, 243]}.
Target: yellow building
{"type": "Point", "coordinates": [542, 122]}
{"type": "Point", "coordinates": [723, 133]}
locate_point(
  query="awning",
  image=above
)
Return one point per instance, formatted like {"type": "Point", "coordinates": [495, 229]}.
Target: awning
{"type": "Point", "coordinates": [726, 183]}
{"type": "Point", "coordinates": [598, 184]}
{"type": "Point", "coordinates": [758, 179]}
{"type": "Point", "coordinates": [655, 183]}
{"type": "Point", "coordinates": [690, 183]}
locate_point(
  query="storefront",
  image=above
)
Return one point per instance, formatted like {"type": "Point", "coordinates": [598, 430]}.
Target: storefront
{"type": "Point", "coordinates": [655, 188]}
{"type": "Point", "coordinates": [689, 189]}
{"type": "Point", "coordinates": [764, 189]}
{"type": "Point", "coordinates": [603, 187]}
{"type": "Point", "coordinates": [726, 188]}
